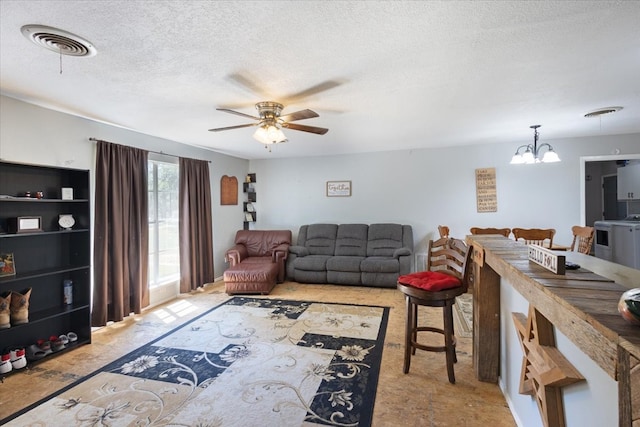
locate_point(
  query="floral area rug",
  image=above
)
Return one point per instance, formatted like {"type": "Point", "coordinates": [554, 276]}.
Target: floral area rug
{"type": "Point", "coordinates": [246, 362]}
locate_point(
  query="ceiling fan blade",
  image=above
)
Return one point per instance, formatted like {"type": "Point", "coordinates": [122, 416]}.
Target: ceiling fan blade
{"type": "Point", "coordinates": [299, 115]}
{"type": "Point", "coordinates": [320, 87]}
{"type": "Point", "coordinates": [237, 113]}
{"type": "Point", "coordinates": [304, 128]}
{"type": "Point", "coordinates": [246, 83]}
{"type": "Point", "coordinates": [234, 127]}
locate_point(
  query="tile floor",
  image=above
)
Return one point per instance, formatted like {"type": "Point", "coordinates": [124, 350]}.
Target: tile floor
{"type": "Point", "coordinates": [424, 397]}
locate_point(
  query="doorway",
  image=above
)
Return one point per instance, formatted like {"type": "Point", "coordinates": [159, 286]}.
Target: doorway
{"type": "Point", "coordinates": [594, 188]}
{"type": "Point", "coordinates": [612, 209]}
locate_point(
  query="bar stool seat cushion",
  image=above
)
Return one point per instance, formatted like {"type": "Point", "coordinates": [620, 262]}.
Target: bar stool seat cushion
{"type": "Point", "coordinates": [433, 281]}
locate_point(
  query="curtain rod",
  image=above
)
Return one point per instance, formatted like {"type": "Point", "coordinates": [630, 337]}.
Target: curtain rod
{"type": "Point", "coordinates": [150, 151]}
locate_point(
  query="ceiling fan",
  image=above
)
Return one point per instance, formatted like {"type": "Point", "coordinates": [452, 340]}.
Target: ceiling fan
{"type": "Point", "coordinates": [270, 122]}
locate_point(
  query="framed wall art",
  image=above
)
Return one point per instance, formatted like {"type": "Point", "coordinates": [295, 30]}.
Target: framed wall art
{"type": "Point", "coordinates": [338, 188]}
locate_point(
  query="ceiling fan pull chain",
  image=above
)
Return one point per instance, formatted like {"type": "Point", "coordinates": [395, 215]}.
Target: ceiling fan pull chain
{"type": "Point", "coordinates": [60, 49]}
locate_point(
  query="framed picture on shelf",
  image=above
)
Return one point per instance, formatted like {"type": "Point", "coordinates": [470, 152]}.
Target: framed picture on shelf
{"type": "Point", "coordinates": [24, 224]}
{"type": "Point", "coordinates": [248, 217]}
{"type": "Point", "coordinates": [250, 207]}
{"type": "Point", "coordinates": [7, 265]}
{"type": "Point", "coordinates": [67, 193]}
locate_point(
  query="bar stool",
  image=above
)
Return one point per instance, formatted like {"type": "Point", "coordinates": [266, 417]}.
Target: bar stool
{"type": "Point", "coordinates": [447, 276]}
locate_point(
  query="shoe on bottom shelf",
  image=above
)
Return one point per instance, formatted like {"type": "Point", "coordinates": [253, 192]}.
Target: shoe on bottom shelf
{"type": "Point", "coordinates": [35, 352]}
{"type": "Point", "coordinates": [5, 363]}
{"type": "Point", "coordinates": [57, 344]}
{"type": "Point", "coordinates": [18, 359]}
{"type": "Point", "coordinates": [72, 336]}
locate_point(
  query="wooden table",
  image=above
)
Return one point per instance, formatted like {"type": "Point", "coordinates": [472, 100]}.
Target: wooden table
{"type": "Point", "coordinates": [582, 304]}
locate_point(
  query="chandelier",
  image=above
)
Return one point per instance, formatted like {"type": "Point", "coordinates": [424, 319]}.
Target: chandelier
{"type": "Point", "coordinates": [532, 152]}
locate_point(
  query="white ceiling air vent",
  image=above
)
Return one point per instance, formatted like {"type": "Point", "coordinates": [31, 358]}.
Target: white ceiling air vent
{"type": "Point", "coordinates": [601, 111]}
{"type": "Point", "coordinates": [59, 41]}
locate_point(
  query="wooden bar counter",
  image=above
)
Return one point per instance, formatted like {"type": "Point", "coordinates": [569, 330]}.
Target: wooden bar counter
{"type": "Point", "coordinates": [579, 309]}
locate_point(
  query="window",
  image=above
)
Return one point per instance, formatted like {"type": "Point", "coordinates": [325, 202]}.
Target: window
{"type": "Point", "coordinates": [164, 256]}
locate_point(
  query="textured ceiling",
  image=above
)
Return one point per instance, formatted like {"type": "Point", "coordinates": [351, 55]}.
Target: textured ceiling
{"type": "Point", "coordinates": [381, 75]}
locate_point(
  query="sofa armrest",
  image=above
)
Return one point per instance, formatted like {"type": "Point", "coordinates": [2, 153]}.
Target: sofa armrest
{"type": "Point", "coordinates": [299, 250]}
{"type": "Point", "coordinates": [280, 253]}
{"type": "Point", "coordinates": [401, 252]}
{"type": "Point", "coordinates": [236, 254]}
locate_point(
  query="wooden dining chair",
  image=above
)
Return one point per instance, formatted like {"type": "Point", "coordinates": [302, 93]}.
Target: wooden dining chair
{"type": "Point", "coordinates": [582, 239]}
{"type": "Point", "coordinates": [443, 230]}
{"type": "Point", "coordinates": [502, 231]}
{"type": "Point", "coordinates": [535, 236]}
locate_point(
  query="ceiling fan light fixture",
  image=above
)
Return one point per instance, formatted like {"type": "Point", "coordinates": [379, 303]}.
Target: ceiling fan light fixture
{"type": "Point", "coordinates": [269, 134]}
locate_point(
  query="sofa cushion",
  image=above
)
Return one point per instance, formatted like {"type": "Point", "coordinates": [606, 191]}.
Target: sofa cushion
{"type": "Point", "coordinates": [344, 277]}
{"type": "Point", "coordinates": [430, 280]}
{"type": "Point", "coordinates": [378, 264]}
{"type": "Point", "coordinates": [351, 240]}
{"type": "Point", "coordinates": [345, 263]}
{"type": "Point", "coordinates": [320, 239]}
{"type": "Point", "coordinates": [312, 263]}
{"type": "Point", "coordinates": [384, 239]}
{"type": "Point", "coordinates": [303, 276]}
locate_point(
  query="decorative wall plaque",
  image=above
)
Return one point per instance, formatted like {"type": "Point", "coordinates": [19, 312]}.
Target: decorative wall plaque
{"type": "Point", "coordinates": [486, 195]}
{"type": "Point", "coordinates": [228, 190]}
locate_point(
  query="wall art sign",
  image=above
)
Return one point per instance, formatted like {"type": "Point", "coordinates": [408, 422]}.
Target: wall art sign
{"type": "Point", "coordinates": [486, 194]}
{"type": "Point", "coordinates": [338, 188]}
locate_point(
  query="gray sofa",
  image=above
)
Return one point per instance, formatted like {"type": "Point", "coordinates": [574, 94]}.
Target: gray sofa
{"type": "Point", "coordinates": [351, 254]}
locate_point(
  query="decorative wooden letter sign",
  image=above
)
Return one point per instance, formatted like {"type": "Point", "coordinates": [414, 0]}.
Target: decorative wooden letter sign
{"type": "Point", "coordinates": [547, 259]}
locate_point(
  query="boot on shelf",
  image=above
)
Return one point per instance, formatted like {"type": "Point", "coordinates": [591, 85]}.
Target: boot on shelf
{"type": "Point", "coordinates": [5, 310]}
{"type": "Point", "coordinates": [20, 307]}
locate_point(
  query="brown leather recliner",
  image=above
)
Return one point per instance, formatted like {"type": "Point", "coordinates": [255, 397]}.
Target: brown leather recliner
{"type": "Point", "coordinates": [261, 246]}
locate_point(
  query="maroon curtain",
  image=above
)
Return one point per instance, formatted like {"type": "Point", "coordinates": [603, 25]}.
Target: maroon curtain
{"type": "Point", "coordinates": [121, 233]}
{"type": "Point", "coordinates": [196, 242]}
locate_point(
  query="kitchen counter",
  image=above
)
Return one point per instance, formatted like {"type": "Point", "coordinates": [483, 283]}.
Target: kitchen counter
{"type": "Point", "coordinates": [580, 306]}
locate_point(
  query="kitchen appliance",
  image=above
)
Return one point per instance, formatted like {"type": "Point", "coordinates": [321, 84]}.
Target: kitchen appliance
{"type": "Point", "coordinates": [619, 241]}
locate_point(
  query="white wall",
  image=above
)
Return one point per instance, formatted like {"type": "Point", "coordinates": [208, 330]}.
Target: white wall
{"type": "Point", "coordinates": [428, 187]}
{"type": "Point", "coordinates": [423, 188]}
{"type": "Point", "coordinates": [30, 134]}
